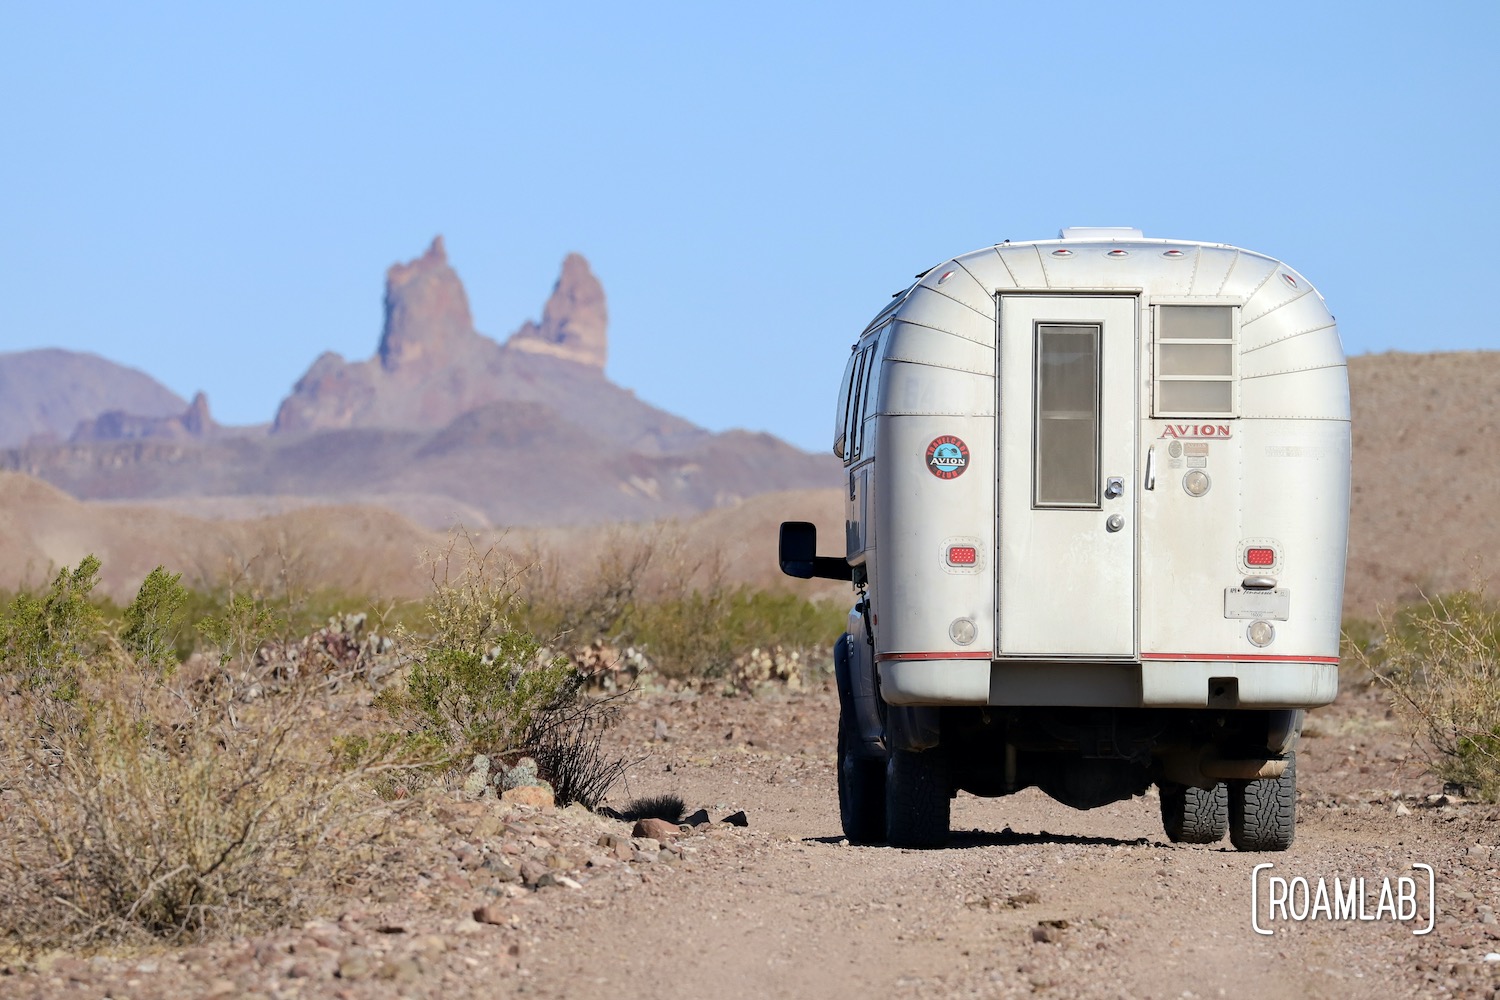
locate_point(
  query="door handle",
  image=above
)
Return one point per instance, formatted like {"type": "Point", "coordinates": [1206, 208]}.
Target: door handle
{"type": "Point", "coordinates": [1113, 487]}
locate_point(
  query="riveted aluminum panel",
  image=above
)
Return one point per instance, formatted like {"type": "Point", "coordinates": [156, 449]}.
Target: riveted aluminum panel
{"type": "Point", "coordinates": [1315, 394]}
{"type": "Point", "coordinates": [924, 345]}
{"type": "Point", "coordinates": [1302, 314]}
{"type": "Point", "coordinates": [932, 309]}
{"type": "Point", "coordinates": [955, 281]}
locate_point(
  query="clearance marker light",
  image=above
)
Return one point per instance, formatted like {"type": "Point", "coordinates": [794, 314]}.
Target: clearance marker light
{"type": "Point", "coordinates": [1260, 557]}
{"type": "Point", "coordinates": [962, 555]}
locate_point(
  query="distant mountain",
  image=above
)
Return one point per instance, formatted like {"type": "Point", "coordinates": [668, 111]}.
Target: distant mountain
{"type": "Point", "coordinates": [48, 393]}
{"type": "Point", "coordinates": [443, 423]}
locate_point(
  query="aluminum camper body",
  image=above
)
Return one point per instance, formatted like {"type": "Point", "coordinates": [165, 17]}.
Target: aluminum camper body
{"type": "Point", "coordinates": [1098, 496]}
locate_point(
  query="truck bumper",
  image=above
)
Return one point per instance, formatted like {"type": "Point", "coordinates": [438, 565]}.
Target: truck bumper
{"type": "Point", "coordinates": [1228, 684]}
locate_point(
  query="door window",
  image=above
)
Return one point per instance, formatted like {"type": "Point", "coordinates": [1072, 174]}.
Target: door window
{"type": "Point", "coordinates": [1066, 452]}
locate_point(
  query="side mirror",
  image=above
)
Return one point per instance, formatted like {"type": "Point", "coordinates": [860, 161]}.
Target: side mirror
{"type": "Point", "coordinates": [797, 552]}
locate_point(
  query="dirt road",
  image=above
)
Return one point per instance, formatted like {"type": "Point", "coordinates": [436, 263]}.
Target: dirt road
{"type": "Point", "coordinates": [1030, 899]}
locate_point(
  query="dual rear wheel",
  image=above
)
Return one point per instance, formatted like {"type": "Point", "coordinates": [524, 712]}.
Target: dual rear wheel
{"type": "Point", "coordinates": [1258, 815]}
{"type": "Point", "coordinates": [901, 798]}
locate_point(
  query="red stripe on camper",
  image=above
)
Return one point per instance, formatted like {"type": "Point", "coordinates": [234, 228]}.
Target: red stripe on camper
{"type": "Point", "coordinates": [953, 655]}
{"type": "Point", "coordinates": [1245, 657]}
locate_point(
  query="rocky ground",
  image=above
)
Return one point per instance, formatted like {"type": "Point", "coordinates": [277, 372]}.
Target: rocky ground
{"type": "Point", "coordinates": [482, 898]}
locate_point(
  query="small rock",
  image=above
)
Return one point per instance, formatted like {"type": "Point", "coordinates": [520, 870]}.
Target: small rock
{"type": "Point", "coordinates": [430, 944]}
{"type": "Point", "coordinates": [401, 970]}
{"type": "Point", "coordinates": [491, 913]}
{"type": "Point", "coordinates": [656, 829]}
{"type": "Point", "coordinates": [1401, 809]}
{"type": "Point", "coordinates": [552, 879]}
{"type": "Point", "coordinates": [355, 964]}
{"type": "Point", "coordinates": [737, 819]}
{"type": "Point", "coordinates": [1043, 934]}
{"type": "Point", "coordinates": [698, 818]}
{"type": "Point", "coordinates": [502, 870]}
{"type": "Point", "coordinates": [532, 871]}
{"type": "Point", "coordinates": [643, 857]}
{"type": "Point", "coordinates": [529, 795]}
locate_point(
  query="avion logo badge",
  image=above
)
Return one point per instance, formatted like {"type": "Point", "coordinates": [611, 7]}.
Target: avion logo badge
{"type": "Point", "coordinates": [947, 457]}
{"type": "Point", "coordinates": [1195, 431]}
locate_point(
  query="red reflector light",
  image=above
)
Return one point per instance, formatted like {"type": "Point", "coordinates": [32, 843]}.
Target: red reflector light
{"type": "Point", "coordinates": [1260, 557]}
{"type": "Point", "coordinates": [962, 555]}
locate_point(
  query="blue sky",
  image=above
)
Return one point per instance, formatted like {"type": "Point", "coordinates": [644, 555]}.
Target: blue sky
{"type": "Point", "coordinates": [212, 192]}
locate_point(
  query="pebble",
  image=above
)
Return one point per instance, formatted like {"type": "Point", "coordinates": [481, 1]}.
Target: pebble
{"type": "Point", "coordinates": [491, 913]}
{"type": "Point", "coordinates": [655, 829]}
{"type": "Point", "coordinates": [528, 795]}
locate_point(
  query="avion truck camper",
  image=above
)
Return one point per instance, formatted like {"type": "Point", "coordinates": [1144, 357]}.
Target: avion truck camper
{"type": "Point", "coordinates": [1098, 498]}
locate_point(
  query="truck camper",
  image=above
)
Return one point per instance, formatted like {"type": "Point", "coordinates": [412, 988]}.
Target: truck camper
{"type": "Point", "coordinates": [1097, 513]}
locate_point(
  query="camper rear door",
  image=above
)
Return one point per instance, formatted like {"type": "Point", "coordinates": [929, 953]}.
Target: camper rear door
{"type": "Point", "coordinates": [1067, 477]}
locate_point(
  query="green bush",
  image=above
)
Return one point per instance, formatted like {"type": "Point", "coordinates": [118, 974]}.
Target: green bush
{"type": "Point", "coordinates": [482, 684]}
{"type": "Point", "coordinates": [46, 640]}
{"type": "Point", "coordinates": [1441, 663]}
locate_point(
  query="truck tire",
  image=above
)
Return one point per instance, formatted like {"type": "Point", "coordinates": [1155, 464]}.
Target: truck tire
{"type": "Point", "coordinates": [861, 788]}
{"type": "Point", "coordinates": [1194, 815]}
{"type": "Point", "coordinates": [1263, 813]}
{"type": "Point", "coordinates": [916, 799]}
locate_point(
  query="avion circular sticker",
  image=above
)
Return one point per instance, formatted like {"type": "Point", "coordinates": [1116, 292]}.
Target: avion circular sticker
{"type": "Point", "coordinates": [947, 457]}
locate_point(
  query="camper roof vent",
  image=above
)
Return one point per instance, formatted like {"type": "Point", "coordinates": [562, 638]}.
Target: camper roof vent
{"type": "Point", "coordinates": [1100, 233]}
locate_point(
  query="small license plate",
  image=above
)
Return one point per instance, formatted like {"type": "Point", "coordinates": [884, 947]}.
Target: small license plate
{"type": "Point", "coordinates": [1273, 605]}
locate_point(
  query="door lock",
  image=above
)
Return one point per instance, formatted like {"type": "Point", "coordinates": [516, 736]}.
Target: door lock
{"type": "Point", "coordinates": [1113, 487]}
{"type": "Point", "coordinates": [1115, 523]}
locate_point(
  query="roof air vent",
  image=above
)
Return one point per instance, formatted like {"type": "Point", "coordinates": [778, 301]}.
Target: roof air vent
{"type": "Point", "coordinates": [1100, 233]}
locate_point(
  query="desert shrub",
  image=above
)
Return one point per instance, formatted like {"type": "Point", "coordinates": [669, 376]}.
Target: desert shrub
{"type": "Point", "coordinates": [154, 619]}
{"type": "Point", "coordinates": [482, 684]}
{"type": "Point", "coordinates": [651, 591]}
{"type": "Point", "coordinates": [142, 802]}
{"type": "Point", "coordinates": [1441, 662]}
{"type": "Point", "coordinates": [47, 639]}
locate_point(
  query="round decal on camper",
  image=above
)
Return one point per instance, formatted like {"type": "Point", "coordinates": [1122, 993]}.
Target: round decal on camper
{"type": "Point", "coordinates": [947, 457]}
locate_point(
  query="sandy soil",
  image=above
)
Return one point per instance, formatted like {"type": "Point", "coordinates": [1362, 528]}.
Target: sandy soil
{"type": "Point", "coordinates": [1031, 898]}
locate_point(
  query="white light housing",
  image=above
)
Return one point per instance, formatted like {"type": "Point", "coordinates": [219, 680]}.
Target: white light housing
{"type": "Point", "coordinates": [1261, 633]}
{"type": "Point", "coordinates": [1196, 483]}
{"type": "Point", "coordinates": [962, 631]}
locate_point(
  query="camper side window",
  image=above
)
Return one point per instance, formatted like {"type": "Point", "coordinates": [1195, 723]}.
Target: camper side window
{"type": "Point", "coordinates": [859, 405]}
{"type": "Point", "coordinates": [841, 415]}
{"type": "Point", "coordinates": [854, 374]}
{"type": "Point", "coordinates": [1195, 361]}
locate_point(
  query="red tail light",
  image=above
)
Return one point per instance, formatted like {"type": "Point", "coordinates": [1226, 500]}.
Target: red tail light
{"type": "Point", "coordinates": [962, 555]}
{"type": "Point", "coordinates": [1259, 557]}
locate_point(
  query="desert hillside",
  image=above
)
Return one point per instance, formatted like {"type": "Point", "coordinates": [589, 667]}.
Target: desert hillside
{"type": "Point", "coordinates": [441, 424]}
{"type": "Point", "coordinates": [1426, 460]}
